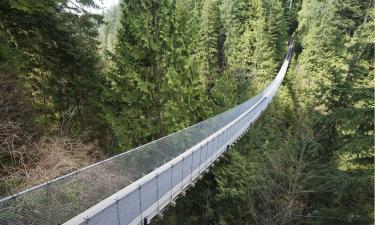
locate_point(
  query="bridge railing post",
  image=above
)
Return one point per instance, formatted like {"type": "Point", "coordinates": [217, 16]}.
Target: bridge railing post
{"type": "Point", "coordinates": [157, 193]}
{"type": "Point", "coordinates": [182, 174]}
{"type": "Point", "coordinates": [140, 202]}
{"type": "Point", "coordinates": [171, 191]}
{"type": "Point", "coordinates": [221, 142]}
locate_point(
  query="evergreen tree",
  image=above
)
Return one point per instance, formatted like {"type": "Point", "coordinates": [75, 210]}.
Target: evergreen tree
{"type": "Point", "coordinates": [256, 38]}
{"type": "Point", "coordinates": [209, 50]}
{"type": "Point", "coordinates": [155, 83]}
{"type": "Point", "coordinates": [60, 71]}
{"type": "Point", "coordinates": [108, 30]}
{"type": "Point", "coordinates": [336, 57]}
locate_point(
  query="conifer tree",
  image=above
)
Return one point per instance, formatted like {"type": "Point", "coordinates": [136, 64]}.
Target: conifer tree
{"type": "Point", "coordinates": [108, 30]}
{"type": "Point", "coordinates": [61, 68]}
{"type": "Point", "coordinates": [155, 81]}
{"type": "Point", "coordinates": [209, 40]}
{"type": "Point", "coordinates": [336, 58]}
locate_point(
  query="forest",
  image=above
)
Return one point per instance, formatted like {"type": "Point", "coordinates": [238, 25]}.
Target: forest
{"type": "Point", "coordinates": [78, 87]}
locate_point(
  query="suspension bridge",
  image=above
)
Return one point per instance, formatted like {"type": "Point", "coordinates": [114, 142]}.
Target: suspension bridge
{"type": "Point", "coordinates": [137, 185]}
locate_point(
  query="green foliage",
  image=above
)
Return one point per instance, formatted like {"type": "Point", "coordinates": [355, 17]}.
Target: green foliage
{"type": "Point", "coordinates": [108, 30]}
{"type": "Point", "coordinates": [337, 56]}
{"type": "Point", "coordinates": [310, 158]}
{"type": "Point", "coordinates": [155, 88]}
{"type": "Point", "coordinates": [50, 80]}
{"type": "Point", "coordinates": [256, 38]}
{"type": "Point", "coordinates": [210, 37]}
{"type": "Point", "coordinates": [163, 65]}
{"type": "Point", "coordinates": [60, 63]}
{"type": "Point", "coordinates": [172, 56]}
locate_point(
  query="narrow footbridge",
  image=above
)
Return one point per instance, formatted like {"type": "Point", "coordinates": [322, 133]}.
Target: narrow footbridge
{"type": "Point", "coordinates": [135, 186]}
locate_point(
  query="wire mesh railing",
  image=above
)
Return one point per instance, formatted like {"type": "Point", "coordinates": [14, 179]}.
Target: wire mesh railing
{"type": "Point", "coordinates": [136, 185]}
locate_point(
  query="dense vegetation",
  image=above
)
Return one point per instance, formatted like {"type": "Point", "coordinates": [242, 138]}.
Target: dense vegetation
{"type": "Point", "coordinates": [80, 87]}
{"type": "Point", "coordinates": [50, 79]}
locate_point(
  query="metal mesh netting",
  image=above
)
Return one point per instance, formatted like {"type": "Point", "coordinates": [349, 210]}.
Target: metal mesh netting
{"type": "Point", "coordinates": [61, 199]}
{"type": "Point", "coordinates": [57, 201]}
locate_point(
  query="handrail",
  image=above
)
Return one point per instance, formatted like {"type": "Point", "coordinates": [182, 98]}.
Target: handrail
{"type": "Point", "coordinates": [101, 193]}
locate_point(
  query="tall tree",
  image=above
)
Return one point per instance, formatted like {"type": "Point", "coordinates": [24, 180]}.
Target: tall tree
{"type": "Point", "coordinates": [59, 40]}
{"type": "Point", "coordinates": [108, 30]}
{"type": "Point", "coordinates": [209, 49]}
{"type": "Point", "coordinates": [155, 83]}
{"type": "Point", "coordinates": [336, 57]}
